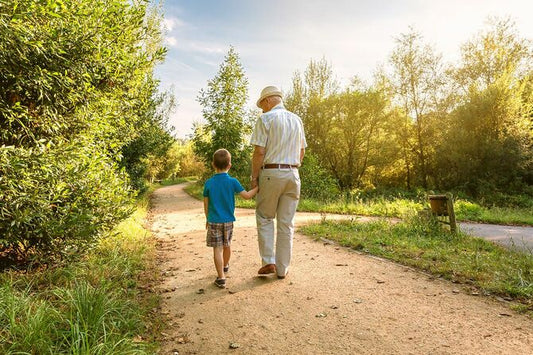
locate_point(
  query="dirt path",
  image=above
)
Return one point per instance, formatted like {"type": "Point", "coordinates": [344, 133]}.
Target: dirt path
{"type": "Point", "coordinates": [334, 301]}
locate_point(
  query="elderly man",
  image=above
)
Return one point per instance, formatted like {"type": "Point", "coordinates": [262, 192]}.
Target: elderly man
{"type": "Point", "coordinates": [280, 144]}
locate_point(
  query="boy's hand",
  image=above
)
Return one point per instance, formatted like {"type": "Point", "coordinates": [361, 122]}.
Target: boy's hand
{"type": "Point", "coordinates": [254, 183]}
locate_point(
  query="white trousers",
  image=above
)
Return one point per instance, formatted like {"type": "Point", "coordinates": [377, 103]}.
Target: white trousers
{"type": "Point", "coordinates": [279, 193]}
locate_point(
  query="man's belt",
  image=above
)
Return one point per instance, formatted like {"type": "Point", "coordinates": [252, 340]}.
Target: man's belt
{"type": "Point", "coordinates": [278, 166]}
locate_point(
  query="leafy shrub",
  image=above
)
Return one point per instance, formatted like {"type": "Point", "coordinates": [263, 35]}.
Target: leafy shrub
{"type": "Point", "coordinates": [467, 210]}
{"type": "Point", "coordinates": [56, 200]}
{"type": "Point", "coordinates": [317, 182]}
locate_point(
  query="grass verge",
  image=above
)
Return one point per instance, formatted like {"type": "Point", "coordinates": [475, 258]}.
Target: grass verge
{"type": "Point", "coordinates": [91, 306]}
{"type": "Point", "coordinates": [399, 207]}
{"type": "Point", "coordinates": [478, 264]}
{"type": "Point", "coordinates": [180, 180]}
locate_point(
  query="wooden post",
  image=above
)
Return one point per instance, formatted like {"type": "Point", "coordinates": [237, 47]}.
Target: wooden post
{"type": "Point", "coordinates": [451, 213]}
{"type": "Point", "coordinates": [442, 205]}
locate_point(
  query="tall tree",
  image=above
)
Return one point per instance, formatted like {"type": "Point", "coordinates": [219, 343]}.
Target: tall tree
{"type": "Point", "coordinates": [227, 122]}
{"type": "Point", "coordinates": [350, 134]}
{"type": "Point", "coordinates": [417, 79]}
{"type": "Point", "coordinates": [317, 83]}
{"type": "Point", "coordinates": [496, 51]}
{"type": "Point", "coordinates": [489, 141]}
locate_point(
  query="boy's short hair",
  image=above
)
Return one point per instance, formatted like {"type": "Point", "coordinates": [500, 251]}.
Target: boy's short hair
{"type": "Point", "coordinates": [221, 159]}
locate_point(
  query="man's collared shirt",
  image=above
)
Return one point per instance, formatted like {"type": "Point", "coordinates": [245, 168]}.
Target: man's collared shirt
{"type": "Point", "coordinates": [282, 135]}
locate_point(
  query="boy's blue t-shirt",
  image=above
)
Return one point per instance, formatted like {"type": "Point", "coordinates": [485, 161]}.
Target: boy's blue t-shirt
{"type": "Point", "coordinates": [221, 189]}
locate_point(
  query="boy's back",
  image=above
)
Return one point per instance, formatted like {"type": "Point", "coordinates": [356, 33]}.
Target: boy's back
{"type": "Point", "coordinates": [221, 189]}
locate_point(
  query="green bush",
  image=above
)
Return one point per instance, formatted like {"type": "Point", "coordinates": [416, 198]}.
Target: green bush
{"type": "Point", "coordinates": [56, 200]}
{"type": "Point", "coordinates": [467, 210]}
{"type": "Point", "coordinates": [87, 306]}
{"type": "Point", "coordinates": [317, 182]}
{"type": "Point", "coordinates": [78, 96]}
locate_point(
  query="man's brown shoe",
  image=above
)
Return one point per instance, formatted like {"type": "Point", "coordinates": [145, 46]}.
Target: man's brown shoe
{"type": "Point", "coordinates": [267, 270]}
{"type": "Point", "coordinates": [281, 277]}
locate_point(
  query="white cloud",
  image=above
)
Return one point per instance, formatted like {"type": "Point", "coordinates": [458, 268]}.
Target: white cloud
{"type": "Point", "coordinates": [172, 22]}
{"type": "Point", "coordinates": [171, 41]}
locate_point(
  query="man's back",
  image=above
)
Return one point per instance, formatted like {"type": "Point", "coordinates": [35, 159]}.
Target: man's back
{"type": "Point", "coordinates": [284, 136]}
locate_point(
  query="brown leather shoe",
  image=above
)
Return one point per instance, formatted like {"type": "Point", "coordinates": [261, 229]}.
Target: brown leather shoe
{"type": "Point", "coordinates": [267, 270]}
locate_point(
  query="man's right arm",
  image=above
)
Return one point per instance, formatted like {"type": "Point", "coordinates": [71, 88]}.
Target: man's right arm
{"type": "Point", "coordinates": [257, 162]}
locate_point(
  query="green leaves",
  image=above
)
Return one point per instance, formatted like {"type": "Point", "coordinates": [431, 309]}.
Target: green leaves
{"type": "Point", "coordinates": [223, 109]}
{"type": "Point", "coordinates": [466, 126]}
{"type": "Point", "coordinates": [57, 197]}
{"type": "Point", "coordinates": [77, 89]}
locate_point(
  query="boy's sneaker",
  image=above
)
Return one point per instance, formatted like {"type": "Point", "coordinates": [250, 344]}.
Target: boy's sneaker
{"type": "Point", "coordinates": [226, 268]}
{"type": "Point", "coordinates": [221, 283]}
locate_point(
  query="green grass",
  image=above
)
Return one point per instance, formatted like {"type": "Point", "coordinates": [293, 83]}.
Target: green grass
{"type": "Point", "coordinates": [196, 191]}
{"type": "Point", "coordinates": [92, 306]}
{"type": "Point", "coordinates": [379, 207]}
{"type": "Point", "coordinates": [176, 181]}
{"type": "Point", "coordinates": [425, 245]}
{"type": "Point", "coordinates": [400, 207]}
{"type": "Point", "coordinates": [469, 211]}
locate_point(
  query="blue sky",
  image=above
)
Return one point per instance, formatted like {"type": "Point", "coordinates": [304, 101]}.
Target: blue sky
{"type": "Point", "coordinates": [275, 38]}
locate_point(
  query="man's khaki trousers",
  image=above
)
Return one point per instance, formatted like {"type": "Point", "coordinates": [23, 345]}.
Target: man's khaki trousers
{"type": "Point", "coordinates": [279, 193]}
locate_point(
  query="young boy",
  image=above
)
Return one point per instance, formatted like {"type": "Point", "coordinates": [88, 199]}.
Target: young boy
{"type": "Point", "coordinates": [219, 208]}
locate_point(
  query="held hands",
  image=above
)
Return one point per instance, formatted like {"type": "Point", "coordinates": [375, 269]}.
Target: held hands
{"type": "Point", "coordinates": [254, 183]}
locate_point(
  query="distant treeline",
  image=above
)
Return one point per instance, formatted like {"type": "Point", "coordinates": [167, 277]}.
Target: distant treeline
{"type": "Point", "coordinates": [79, 112]}
{"type": "Point", "coordinates": [423, 123]}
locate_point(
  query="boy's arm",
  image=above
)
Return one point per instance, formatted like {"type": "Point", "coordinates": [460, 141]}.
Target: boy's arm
{"type": "Point", "coordinates": [206, 204]}
{"type": "Point", "coordinates": [249, 194]}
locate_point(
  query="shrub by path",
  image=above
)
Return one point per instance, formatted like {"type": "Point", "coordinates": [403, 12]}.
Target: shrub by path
{"type": "Point", "coordinates": [333, 301]}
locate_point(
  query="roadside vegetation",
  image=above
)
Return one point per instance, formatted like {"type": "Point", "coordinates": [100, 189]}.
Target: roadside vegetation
{"type": "Point", "coordinates": [400, 205]}
{"type": "Point", "coordinates": [90, 306]}
{"type": "Point", "coordinates": [481, 267]}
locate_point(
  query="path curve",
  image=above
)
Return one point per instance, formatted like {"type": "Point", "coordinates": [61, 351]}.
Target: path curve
{"type": "Point", "coordinates": [334, 301]}
{"type": "Point", "coordinates": [516, 237]}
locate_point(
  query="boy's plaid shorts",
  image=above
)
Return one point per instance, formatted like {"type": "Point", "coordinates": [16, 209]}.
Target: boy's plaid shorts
{"type": "Point", "coordinates": [219, 234]}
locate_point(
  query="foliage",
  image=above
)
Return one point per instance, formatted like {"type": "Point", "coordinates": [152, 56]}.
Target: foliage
{"type": "Point", "coordinates": [489, 141]}
{"type": "Point", "coordinates": [351, 133]}
{"type": "Point", "coordinates": [143, 156]}
{"type": "Point", "coordinates": [189, 163]}
{"type": "Point", "coordinates": [74, 67]}
{"type": "Point", "coordinates": [316, 84]}
{"type": "Point", "coordinates": [92, 306]}
{"type": "Point", "coordinates": [316, 181]}
{"type": "Point", "coordinates": [464, 127]}
{"type": "Point", "coordinates": [227, 123]}
{"type": "Point", "coordinates": [58, 199]}
{"type": "Point", "coordinates": [178, 161]}
{"type": "Point", "coordinates": [77, 92]}
{"type": "Point", "coordinates": [417, 82]}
